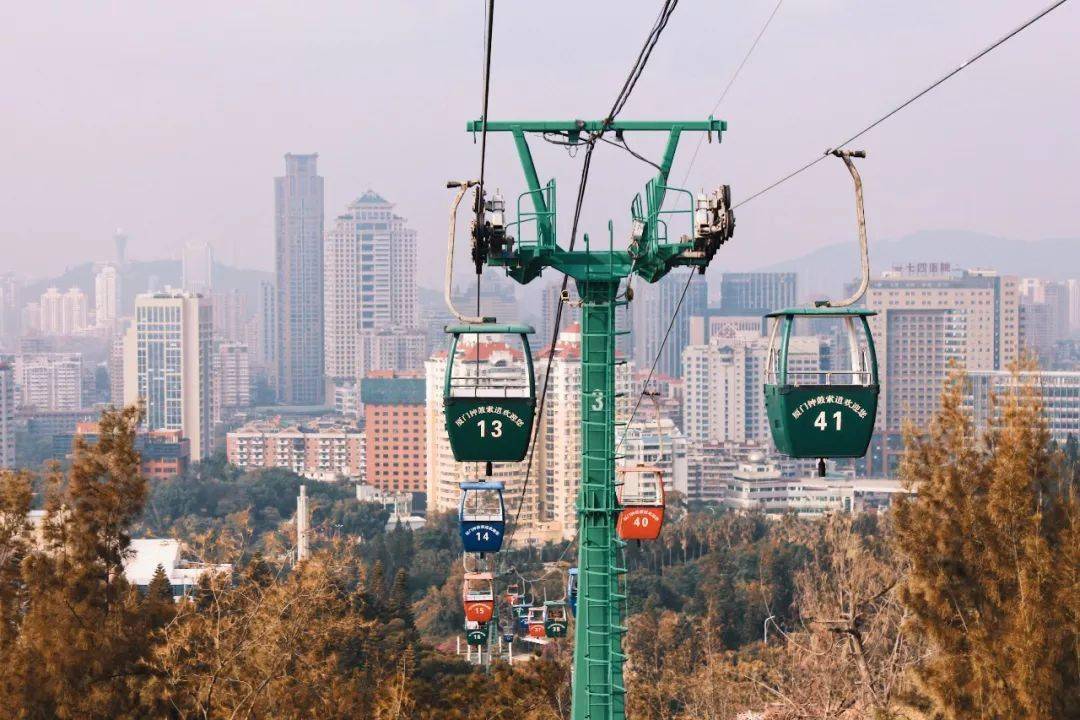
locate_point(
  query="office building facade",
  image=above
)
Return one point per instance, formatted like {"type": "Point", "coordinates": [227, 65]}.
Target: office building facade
{"type": "Point", "coordinates": [168, 361]}
{"type": "Point", "coordinates": [928, 321]}
{"type": "Point", "coordinates": [298, 342]}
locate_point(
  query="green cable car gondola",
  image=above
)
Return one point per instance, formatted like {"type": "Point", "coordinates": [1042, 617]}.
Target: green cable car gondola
{"type": "Point", "coordinates": [555, 622]}
{"type": "Point", "coordinates": [476, 633]}
{"type": "Point", "coordinates": [489, 399]}
{"type": "Point", "coordinates": [822, 413]}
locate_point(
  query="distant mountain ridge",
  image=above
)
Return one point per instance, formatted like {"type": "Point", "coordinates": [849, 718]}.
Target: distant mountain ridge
{"type": "Point", "coordinates": [825, 270]}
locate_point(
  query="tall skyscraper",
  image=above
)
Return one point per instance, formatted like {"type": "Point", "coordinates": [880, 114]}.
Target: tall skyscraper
{"type": "Point", "coordinates": [652, 310]}
{"type": "Point", "coordinates": [927, 320]}
{"type": "Point", "coordinates": [267, 327]}
{"type": "Point", "coordinates": [106, 294]}
{"type": "Point", "coordinates": [120, 240]}
{"type": "Point", "coordinates": [198, 266]}
{"type": "Point", "coordinates": [50, 381]}
{"type": "Point", "coordinates": [7, 415]}
{"type": "Point", "coordinates": [757, 292]}
{"type": "Point", "coordinates": [168, 358]}
{"type": "Point", "coordinates": [370, 257]}
{"type": "Point", "coordinates": [298, 203]}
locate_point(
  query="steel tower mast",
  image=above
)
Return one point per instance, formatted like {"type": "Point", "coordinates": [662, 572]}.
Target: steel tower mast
{"type": "Point", "coordinates": [598, 687]}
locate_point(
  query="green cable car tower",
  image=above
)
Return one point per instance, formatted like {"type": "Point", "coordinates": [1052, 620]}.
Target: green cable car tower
{"type": "Point", "coordinates": [661, 239]}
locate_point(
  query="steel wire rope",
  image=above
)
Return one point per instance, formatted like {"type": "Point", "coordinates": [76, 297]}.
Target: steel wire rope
{"type": "Point", "coordinates": [690, 166]}
{"type": "Point", "coordinates": [620, 101]}
{"type": "Point", "coordinates": [932, 86]}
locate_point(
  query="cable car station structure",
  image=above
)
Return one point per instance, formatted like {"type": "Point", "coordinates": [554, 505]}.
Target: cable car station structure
{"type": "Point", "coordinates": [661, 240]}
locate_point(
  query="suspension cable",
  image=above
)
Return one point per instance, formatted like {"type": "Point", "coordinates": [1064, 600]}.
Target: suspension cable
{"type": "Point", "coordinates": [659, 352]}
{"type": "Point", "coordinates": [955, 71]}
{"type": "Point", "coordinates": [489, 22]}
{"type": "Point", "coordinates": [616, 107]}
{"type": "Point", "coordinates": [693, 159]}
{"type": "Point", "coordinates": [731, 81]}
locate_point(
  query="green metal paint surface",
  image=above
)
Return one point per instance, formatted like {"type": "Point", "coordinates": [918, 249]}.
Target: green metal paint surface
{"type": "Point", "coordinates": [489, 429]}
{"type": "Point", "coordinates": [822, 421]}
{"type": "Point", "coordinates": [598, 687]}
{"type": "Point", "coordinates": [598, 690]}
{"type": "Point", "coordinates": [477, 636]}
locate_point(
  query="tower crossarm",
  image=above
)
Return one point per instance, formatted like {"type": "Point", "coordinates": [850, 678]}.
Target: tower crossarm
{"type": "Point", "coordinates": [655, 245]}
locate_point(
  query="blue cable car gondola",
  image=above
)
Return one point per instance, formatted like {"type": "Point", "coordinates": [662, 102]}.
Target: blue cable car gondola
{"type": "Point", "coordinates": [571, 590]}
{"type": "Point", "coordinates": [482, 516]}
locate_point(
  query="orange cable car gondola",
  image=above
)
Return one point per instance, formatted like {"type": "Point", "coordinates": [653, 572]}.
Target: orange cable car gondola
{"type": "Point", "coordinates": [641, 497]}
{"type": "Point", "coordinates": [640, 492]}
{"type": "Point", "coordinates": [537, 626]}
{"type": "Point", "coordinates": [478, 596]}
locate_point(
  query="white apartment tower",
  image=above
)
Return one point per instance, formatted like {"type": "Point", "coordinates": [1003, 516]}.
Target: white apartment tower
{"type": "Point", "coordinates": [232, 379]}
{"type": "Point", "coordinates": [49, 381]}
{"type": "Point", "coordinates": [167, 365]}
{"type": "Point", "coordinates": [723, 386]}
{"type": "Point", "coordinates": [560, 452]}
{"type": "Point", "coordinates": [106, 293]}
{"type": "Point", "coordinates": [370, 283]}
{"type": "Point", "coordinates": [63, 313]}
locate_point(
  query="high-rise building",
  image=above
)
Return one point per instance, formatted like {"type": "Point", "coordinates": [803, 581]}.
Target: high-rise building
{"type": "Point", "coordinates": [168, 359]}
{"type": "Point", "coordinates": [120, 241]}
{"type": "Point", "coordinates": [757, 293]}
{"type": "Point", "coordinates": [549, 307]}
{"type": "Point", "coordinates": [50, 381]}
{"type": "Point", "coordinates": [1044, 316]}
{"type": "Point", "coordinates": [63, 313]}
{"type": "Point", "coordinates": [115, 365]}
{"type": "Point", "coordinates": [659, 444]}
{"type": "Point", "coordinates": [558, 460]}
{"type": "Point", "coordinates": [298, 204]}
{"type": "Point", "coordinates": [1058, 391]}
{"type": "Point", "coordinates": [723, 386]}
{"type": "Point", "coordinates": [10, 285]}
{"type": "Point", "coordinates": [370, 283]}
{"type": "Point", "coordinates": [198, 266]}
{"type": "Point", "coordinates": [652, 310]}
{"type": "Point", "coordinates": [928, 320]}
{"type": "Point", "coordinates": [7, 415]}
{"type": "Point", "coordinates": [395, 432]}
{"type": "Point", "coordinates": [106, 294]}
{"type": "Point", "coordinates": [232, 380]}
{"type": "Point", "coordinates": [1073, 286]}
{"type": "Point", "coordinates": [268, 326]}
{"type": "Point", "coordinates": [231, 321]}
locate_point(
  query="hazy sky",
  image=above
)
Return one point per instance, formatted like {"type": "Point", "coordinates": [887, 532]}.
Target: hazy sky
{"type": "Point", "coordinates": [171, 119]}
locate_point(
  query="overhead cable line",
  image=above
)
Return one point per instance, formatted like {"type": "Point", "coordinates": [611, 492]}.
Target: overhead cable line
{"type": "Point", "coordinates": [731, 81]}
{"type": "Point", "coordinates": [693, 158]}
{"type": "Point", "coordinates": [489, 24]}
{"type": "Point", "coordinates": [659, 352]}
{"type": "Point", "coordinates": [620, 101]}
{"type": "Point", "coordinates": [955, 71]}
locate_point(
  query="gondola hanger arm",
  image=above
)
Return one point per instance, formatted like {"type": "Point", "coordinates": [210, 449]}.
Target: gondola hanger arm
{"type": "Point", "coordinates": [860, 216]}
{"type": "Point", "coordinates": [462, 186]}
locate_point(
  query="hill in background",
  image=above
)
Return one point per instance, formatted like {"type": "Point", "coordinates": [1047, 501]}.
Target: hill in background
{"type": "Point", "coordinates": [824, 271]}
